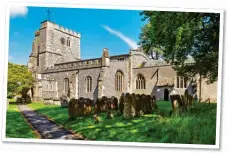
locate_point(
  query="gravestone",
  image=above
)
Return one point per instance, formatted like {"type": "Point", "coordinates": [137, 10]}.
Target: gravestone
{"type": "Point", "coordinates": [64, 101]}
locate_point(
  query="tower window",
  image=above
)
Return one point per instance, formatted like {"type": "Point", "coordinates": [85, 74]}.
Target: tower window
{"type": "Point", "coordinates": [68, 42]}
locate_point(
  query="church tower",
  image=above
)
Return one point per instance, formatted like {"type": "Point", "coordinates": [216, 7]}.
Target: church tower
{"type": "Point", "coordinates": [52, 44]}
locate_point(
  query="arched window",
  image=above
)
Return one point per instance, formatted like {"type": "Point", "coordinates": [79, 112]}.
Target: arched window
{"type": "Point", "coordinates": [51, 87]}
{"type": "Point", "coordinates": [66, 86]}
{"type": "Point", "coordinates": [140, 82]}
{"type": "Point", "coordinates": [181, 82]}
{"type": "Point", "coordinates": [88, 84]}
{"type": "Point", "coordinates": [119, 79]}
{"type": "Point", "coordinates": [68, 42]}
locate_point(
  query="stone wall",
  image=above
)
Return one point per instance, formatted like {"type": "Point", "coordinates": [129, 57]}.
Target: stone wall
{"type": "Point", "coordinates": [94, 73]}
{"type": "Point", "coordinates": [208, 91]}
{"type": "Point", "coordinates": [138, 58]}
{"type": "Point", "coordinates": [76, 65]}
{"type": "Point", "coordinates": [50, 59]}
{"type": "Point", "coordinates": [42, 46]}
{"type": "Point", "coordinates": [51, 46]}
{"type": "Point", "coordinates": [56, 62]}
{"type": "Point", "coordinates": [109, 80]}
{"type": "Point", "coordinates": [152, 82]}
{"type": "Point", "coordinates": [54, 35]}
{"type": "Point", "coordinates": [32, 64]}
{"type": "Point", "coordinates": [58, 84]}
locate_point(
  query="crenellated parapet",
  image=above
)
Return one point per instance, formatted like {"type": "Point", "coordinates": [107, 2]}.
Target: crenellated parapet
{"type": "Point", "coordinates": [60, 28]}
{"type": "Point", "coordinates": [67, 31]}
{"type": "Point", "coordinates": [84, 64]}
{"type": "Point", "coordinates": [37, 33]}
{"type": "Point", "coordinates": [119, 58]}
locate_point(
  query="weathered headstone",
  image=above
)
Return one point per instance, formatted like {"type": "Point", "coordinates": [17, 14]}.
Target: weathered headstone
{"type": "Point", "coordinates": [138, 106]}
{"type": "Point", "coordinates": [88, 103]}
{"type": "Point", "coordinates": [73, 109]}
{"type": "Point", "coordinates": [129, 110]}
{"type": "Point", "coordinates": [121, 103]}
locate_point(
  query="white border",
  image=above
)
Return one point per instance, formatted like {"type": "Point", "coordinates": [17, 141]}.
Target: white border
{"type": "Point", "coordinates": [69, 5]}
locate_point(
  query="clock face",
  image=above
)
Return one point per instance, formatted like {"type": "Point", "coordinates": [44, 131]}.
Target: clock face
{"type": "Point", "coordinates": [62, 40]}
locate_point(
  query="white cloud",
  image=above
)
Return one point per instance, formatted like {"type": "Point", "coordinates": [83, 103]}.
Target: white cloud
{"type": "Point", "coordinates": [127, 40]}
{"type": "Point", "coordinates": [18, 11]}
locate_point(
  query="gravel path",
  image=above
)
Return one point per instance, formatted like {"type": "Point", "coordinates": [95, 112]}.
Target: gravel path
{"type": "Point", "coordinates": [46, 128]}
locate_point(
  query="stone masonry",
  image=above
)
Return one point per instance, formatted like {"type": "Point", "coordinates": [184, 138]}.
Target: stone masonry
{"type": "Point", "coordinates": [59, 70]}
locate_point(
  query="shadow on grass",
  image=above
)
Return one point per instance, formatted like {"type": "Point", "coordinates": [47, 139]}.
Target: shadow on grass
{"type": "Point", "coordinates": [195, 127]}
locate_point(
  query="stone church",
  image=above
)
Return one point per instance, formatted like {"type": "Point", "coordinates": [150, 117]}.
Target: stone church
{"type": "Point", "coordinates": [58, 69]}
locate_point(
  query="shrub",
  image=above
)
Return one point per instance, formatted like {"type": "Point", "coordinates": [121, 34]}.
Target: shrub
{"type": "Point", "coordinates": [10, 95]}
{"type": "Point", "coordinates": [24, 89]}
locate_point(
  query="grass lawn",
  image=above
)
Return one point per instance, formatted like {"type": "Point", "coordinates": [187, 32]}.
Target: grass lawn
{"type": "Point", "coordinates": [196, 127]}
{"type": "Point", "coordinates": [11, 100]}
{"type": "Point", "coordinates": [16, 126]}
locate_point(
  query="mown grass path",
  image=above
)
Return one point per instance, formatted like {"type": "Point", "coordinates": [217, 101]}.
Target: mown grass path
{"type": "Point", "coordinates": [45, 127]}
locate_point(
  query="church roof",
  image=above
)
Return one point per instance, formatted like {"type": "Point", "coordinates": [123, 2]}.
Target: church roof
{"type": "Point", "coordinates": [153, 62]}
{"type": "Point", "coordinates": [33, 55]}
{"type": "Point", "coordinates": [66, 57]}
{"type": "Point", "coordinates": [165, 82]}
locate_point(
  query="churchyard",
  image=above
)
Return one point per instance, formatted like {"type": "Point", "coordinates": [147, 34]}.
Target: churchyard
{"type": "Point", "coordinates": [184, 119]}
{"type": "Point", "coordinates": [196, 125]}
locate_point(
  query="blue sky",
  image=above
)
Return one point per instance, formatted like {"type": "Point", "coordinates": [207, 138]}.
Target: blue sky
{"type": "Point", "coordinates": [117, 30]}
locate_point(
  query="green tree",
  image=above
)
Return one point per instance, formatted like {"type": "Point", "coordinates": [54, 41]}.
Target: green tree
{"type": "Point", "coordinates": [181, 35]}
{"type": "Point", "coordinates": [19, 78]}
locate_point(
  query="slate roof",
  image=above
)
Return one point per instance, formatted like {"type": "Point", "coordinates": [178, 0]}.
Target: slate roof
{"type": "Point", "coordinates": [66, 57]}
{"type": "Point", "coordinates": [165, 82]}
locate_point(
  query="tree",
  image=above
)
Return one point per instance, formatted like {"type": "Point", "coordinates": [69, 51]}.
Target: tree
{"type": "Point", "coordinates": [20, 80]}
{"type": "Point", "coordinates": [181, 35]}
